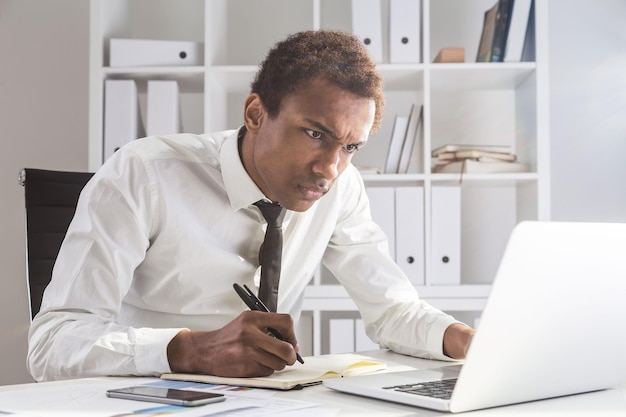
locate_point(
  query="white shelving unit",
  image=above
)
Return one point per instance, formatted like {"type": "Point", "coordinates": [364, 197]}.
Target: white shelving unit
{"type": "Point", "coordinates": [484, 103]}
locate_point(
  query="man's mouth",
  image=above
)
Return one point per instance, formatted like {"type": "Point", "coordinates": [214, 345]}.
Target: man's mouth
{"type": "Point", "coordinates": [312, 192]}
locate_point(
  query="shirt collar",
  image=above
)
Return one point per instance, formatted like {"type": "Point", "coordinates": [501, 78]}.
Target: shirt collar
{"type": "Point", "coordinates": [242, 191]}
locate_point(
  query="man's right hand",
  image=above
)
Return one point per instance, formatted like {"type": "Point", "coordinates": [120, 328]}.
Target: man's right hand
{"type": "Point", "coordinates": [242, 348]}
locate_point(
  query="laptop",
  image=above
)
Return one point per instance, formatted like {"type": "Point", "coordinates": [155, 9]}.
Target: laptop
{"type": "Point", "coordinates": [553, 326]}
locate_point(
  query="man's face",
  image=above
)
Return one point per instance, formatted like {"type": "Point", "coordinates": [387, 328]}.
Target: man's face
{"type": "Point", "coordinates": [296, 157]}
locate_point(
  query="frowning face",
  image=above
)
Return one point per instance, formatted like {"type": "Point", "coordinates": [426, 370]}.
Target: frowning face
{"type": "Point", "coordinates": [296, 157]}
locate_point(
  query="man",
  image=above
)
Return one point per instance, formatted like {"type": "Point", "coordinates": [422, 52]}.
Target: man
{"type": "Point", "coordinates": [143, 283]}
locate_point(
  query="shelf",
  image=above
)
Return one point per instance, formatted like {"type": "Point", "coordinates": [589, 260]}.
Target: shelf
{"type": "Point", "coordinates": [479, 76]}
{"type": "Point", "coordinates": [419, 179]}
{"type": "Point", "coordinates": [488, 179]}
{"type": "Point", "coordinates": [447, 298]}
{"type": "Point", "coordinates": [190, 79]}
{"type": "Point", "coordinates": [426, 291]}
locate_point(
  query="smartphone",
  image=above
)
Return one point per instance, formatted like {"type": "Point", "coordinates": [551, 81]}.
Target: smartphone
{"type": "Point", "coordinates": [166, 395]}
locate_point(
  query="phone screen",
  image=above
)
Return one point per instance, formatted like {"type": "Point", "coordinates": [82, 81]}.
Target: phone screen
{"type": "Point", "coordinates": [166, 395]}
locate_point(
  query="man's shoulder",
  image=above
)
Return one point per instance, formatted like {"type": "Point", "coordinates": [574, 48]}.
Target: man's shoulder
{"type": "Point", "coordinates": [185, 146]}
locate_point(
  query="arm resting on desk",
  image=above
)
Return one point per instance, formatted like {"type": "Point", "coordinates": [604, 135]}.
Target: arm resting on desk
{"type": "Point", "coordinates": [456, 340]}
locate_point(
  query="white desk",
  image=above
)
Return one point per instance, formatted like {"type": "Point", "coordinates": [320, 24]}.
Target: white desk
{"type": "Point", "coordinates": [603, 403]}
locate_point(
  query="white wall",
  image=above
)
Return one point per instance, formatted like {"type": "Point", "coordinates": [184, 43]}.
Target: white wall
{"type": "Point", "coordinates": [588, 109]}
{"type": "Point", "coordinates": [44, 122]}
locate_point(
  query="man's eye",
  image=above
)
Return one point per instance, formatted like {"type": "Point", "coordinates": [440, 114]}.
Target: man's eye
{"type": "Point", "coordinates": [313, 133]}
{"type": "Point", "coordinates": [352, 148]}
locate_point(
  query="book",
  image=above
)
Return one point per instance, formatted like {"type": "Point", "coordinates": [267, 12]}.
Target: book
{"type": "Point", "coordinates": [448, 55]}
{"type": "Point", "coordinates": [477, 155]}
{"type": "Point", "coordinates": [411, 147]}
{"type": "Point", "coordinates": [396, 143]}
{"type": "Point", "coordinates": [458, 147]}
{"type": "Point", "coordinates": [366, 169]}
{"type": "Point", "coordinates": [469, 166]}
{"type": "Point", "coordinates": [314, 370]}
{"type": "Point", "coordinates": [501, 30]}
{"type": "Point", "coordinates": [528, 53]}
{"type": "Point", "coordinates": [486, 37]}
{"type": "Point", "coordinates": [517, 31]}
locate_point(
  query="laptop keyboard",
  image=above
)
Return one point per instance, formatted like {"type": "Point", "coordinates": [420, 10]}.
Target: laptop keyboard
{"type": "Point", "coordinates": [438, 389]}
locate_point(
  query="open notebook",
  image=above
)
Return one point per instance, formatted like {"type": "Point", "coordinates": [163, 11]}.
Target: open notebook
{"type": "Point", "coordinates": [314, 370]}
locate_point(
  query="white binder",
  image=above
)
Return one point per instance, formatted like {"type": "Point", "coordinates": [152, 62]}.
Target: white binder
{"type": "Point", "coordinates": [410, 232]}
{"type": "Point", "coordinates": [163, 111]}
{"type": "Point", "coordinates": [367, 26]}
{"type": "Point", "coordinates": [148, 52]}
{"type": "Point", "coordinates": [382, 202]}
{"type": "Point", "coordinates": [122, 121]}
{"type": "Point", "coordinates": [446, 235]}
{"type": "Point", "coordinates": [404, 31]}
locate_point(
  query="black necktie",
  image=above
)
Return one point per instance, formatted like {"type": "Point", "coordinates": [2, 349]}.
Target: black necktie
{"type": "Point", "coordinates": [271, 253]}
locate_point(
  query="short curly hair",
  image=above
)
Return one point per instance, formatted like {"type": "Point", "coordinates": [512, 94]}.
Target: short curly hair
{"type": "Point", "coordinates": [335, 56]}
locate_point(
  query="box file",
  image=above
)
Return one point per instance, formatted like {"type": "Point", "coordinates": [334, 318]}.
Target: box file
{"type": "Point", "coordinates": [148, 52]}
{"type": "Point", "coordinates": [404, 31]}
{"type": "Point", "coordinates": [163, 111]}
{"type": "Point", "coordinates": [122, 121]}
{"type": "Point", "coordinates": [367, 26]}
{"type": "Point", "coordinates": [410, 232]}
{"type": "Point", "coordinates": [446, 235]}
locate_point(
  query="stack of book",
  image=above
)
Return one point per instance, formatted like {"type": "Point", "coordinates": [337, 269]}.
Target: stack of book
{"type": "Point", "coordinates": [475, 159]}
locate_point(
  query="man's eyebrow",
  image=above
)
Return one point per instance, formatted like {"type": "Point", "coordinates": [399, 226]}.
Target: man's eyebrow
{"type": "Point", "coordinates": [319, 126]}
{"type": "Point", "coordinates": [322, 128]}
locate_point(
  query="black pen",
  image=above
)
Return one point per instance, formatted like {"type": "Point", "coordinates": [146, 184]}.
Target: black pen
{"type": "Point", "coordinates": [253, 303]}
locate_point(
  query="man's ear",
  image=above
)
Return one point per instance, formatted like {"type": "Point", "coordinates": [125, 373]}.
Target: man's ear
{"type": "Point", "coordinates": [254, 113]}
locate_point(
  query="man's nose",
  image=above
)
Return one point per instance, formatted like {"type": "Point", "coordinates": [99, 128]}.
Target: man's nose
{"type": "Point", "coordinates": [327, 164]}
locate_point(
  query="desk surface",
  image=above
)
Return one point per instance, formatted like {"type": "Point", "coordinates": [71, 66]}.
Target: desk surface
{"type": "Point", "coordinates": [70, 398]}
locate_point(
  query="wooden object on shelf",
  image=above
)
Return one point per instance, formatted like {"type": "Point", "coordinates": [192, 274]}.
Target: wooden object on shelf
{"type": "Point", "coordinates": [449, 55]}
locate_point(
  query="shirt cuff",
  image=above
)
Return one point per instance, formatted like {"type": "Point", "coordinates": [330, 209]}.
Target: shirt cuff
{"type": "Point", "coordinates": [151, 350]}
{"type": "Point", "coordinates": [434, 342]}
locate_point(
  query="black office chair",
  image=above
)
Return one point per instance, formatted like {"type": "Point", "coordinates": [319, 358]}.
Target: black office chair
{"type": "Point", "coordinates": [50, 199]}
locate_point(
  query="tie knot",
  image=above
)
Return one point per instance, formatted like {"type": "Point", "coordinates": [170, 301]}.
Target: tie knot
{"type": "Point", "coordinates": [272, 212]}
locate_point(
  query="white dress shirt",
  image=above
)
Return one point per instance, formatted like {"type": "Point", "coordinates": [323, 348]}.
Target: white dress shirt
{"type": "Point", "coordinates": [164, 229]}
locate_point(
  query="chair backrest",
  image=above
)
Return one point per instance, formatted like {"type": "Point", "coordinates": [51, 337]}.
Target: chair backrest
{"type": "Point", "coordinates": [50, 199]}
